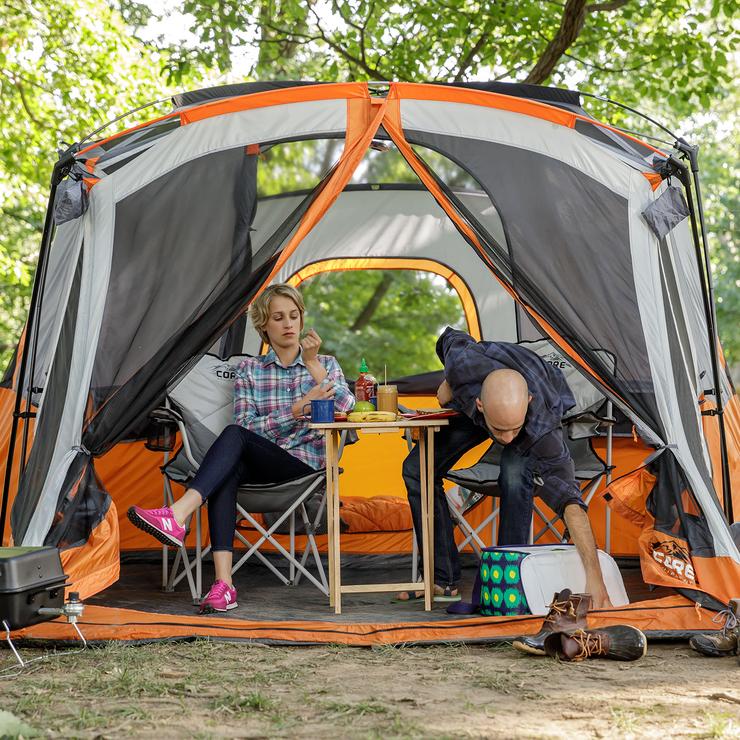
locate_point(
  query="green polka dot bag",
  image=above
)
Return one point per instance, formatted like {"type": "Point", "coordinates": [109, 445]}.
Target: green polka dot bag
{"type": "Point", "coordinates": [498, 589]}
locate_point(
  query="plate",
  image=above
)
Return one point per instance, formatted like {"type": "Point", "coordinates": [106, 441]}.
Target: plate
{"type": "Point", "coordinates": [431, 415]}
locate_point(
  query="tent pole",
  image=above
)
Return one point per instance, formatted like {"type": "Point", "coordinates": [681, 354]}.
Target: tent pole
{"type": "Point", "coordinates": [705, 271]}
{"type": "Point", "coordinates": [60, 171]}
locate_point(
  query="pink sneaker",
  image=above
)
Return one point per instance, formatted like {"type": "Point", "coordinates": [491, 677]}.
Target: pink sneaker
{"type": "Point", "coordinates": [159, 523]}
{"type": "Point", "coordinates": [220, 598]}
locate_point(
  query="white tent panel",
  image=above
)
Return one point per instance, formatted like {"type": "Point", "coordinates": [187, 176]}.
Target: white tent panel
{"type": "Point", "coordinates": [522, 131]}
{"type": "Point", "coordinates": [98, 249]}
{"type": "Point", "coordinates": [647, 275]}
{"type": "Point", "coordinates": [309, 120]}
{"type": "Point", "coordinates": [63, 258]}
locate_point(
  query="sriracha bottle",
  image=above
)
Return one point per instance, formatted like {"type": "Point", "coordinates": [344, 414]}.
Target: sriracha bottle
{"type": "Point", "coordinates": [365, 384]}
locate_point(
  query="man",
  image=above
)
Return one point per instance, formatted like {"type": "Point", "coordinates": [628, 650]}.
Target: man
{"type": "Point", "coordinates": [507, 393]}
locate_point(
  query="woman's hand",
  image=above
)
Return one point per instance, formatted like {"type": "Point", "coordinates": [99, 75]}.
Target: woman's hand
{"type": "Point", "coordinates": [310, 346]}
{"type": "Point", "coordinates": [320, 392]}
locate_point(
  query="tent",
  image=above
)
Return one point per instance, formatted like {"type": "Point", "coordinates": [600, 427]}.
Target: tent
{"type": "Point", "coordinates": [547, 223]}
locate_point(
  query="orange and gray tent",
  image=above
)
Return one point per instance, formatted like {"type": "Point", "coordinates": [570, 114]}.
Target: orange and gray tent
{"type": "Point", "coordinates": [546, 222]}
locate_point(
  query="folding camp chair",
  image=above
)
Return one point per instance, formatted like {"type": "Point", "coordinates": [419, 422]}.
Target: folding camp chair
{"type": "Point", "coordinates": [478, 482]}
{"type": "Point", "coordinates": [200, 406]}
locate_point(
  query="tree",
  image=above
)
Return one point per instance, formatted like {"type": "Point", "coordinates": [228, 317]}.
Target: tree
{"type": "Point", "coordinates": [65, 68]}
{"type": "Point", "coordinates": [60, 66]}
{"type": "Point", "coordinates": [392, 318]}
{"type": "Point", "coordinates": [659, 51]}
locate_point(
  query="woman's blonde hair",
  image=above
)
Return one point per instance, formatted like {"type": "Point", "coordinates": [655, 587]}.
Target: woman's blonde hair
{"type": "Point", "coordinates": [260, 308]}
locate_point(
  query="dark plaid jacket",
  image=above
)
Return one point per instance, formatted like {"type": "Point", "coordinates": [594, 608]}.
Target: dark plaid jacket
{"type": "Point", "coordinates": [468, 362]}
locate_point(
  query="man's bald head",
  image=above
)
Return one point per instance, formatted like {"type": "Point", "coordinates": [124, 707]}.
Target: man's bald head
{"type": "Point", "coordinates": [504, 399]}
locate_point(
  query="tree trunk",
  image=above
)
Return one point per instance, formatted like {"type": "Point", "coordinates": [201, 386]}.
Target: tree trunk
{"type": "Point", "coordinates": [367, 313]}
{"type": "Point", "coordinates": [574, 15]}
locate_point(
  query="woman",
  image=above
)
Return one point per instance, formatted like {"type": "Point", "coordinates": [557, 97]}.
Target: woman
{"type": "Point", "coordinates": [269, 441]}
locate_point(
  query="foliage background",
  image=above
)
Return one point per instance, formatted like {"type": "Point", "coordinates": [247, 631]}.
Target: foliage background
{"type": "Point", "coordinates": [67, 66]}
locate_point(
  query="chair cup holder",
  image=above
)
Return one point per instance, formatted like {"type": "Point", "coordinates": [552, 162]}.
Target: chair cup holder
{"type": "Point", "coordinates": [162, 436]}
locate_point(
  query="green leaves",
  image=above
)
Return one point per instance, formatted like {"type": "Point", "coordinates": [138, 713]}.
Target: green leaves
{"type": "Point", "coordinates": [65, 68]}
{"type": "Point", "coordinates": [398, 332]}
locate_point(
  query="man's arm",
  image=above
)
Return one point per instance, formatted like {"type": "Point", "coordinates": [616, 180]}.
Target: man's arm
{"type": "Point", "coordinates": [583, 538]}
{"type": "Point", "coordinates": [562, 494]}
{"type": "Point", "coordinates": [444, 394]}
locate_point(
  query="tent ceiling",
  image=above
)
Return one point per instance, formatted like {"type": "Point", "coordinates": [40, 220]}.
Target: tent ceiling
{"type": "Point", "coordinates": [396, 224]}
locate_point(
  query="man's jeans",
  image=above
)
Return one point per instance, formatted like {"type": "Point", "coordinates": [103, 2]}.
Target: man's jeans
{"type": "Point", "coordinates": [515, 483]}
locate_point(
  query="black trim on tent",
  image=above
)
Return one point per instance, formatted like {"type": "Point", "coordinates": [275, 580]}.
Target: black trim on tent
{"type": "Point", "coordinates": [205, 94]}
{"type": "Point", "coordinates": [560, 97]}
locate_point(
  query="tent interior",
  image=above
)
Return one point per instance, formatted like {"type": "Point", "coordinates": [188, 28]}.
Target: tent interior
{"type": "Point", "coordinates": [384, 220]}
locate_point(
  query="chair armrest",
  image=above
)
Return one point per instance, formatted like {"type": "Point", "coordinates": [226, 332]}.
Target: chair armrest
{"type": "Point", "coordinates": [590, 418]}
{"type": "Point", "coordinates": [164, 414]}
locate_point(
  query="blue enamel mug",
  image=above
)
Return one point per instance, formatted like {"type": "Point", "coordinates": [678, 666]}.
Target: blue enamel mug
{"type": "Point", "coordinates": [322, 411]}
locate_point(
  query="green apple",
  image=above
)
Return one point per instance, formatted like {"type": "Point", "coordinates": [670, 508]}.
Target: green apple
{"type": "Point", "coordinates": [363, 406]}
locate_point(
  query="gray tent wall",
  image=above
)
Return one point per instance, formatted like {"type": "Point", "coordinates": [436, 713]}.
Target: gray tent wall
{"type": "Point", "coordinates": [63, 257]}
{"type": "Point", "coordinates": [395, 224]}
{"type": "Point", "coordinates": [593, 190]}
{"type": "Point", "coordinates": [60, 428]}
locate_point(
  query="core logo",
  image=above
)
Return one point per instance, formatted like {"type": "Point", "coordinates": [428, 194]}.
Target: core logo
{"type": "Point", "coordinates": [556, 360]}
{"type": "Point", "coordinates": [674, 560]}
{"type": "Point", "coordinates": [225, 371]}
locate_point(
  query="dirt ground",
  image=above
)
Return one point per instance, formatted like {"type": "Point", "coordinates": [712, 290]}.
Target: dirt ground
{"type": "Point", "coordinates": [213, 689]}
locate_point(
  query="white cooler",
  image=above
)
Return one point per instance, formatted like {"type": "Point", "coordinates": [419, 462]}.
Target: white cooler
{"type": "Point", "coordinates": [548, 569]}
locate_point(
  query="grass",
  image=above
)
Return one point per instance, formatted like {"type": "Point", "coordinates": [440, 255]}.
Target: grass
{"type": "Point", "coordinates": [721, 725]}
{"type": "Point", "coordinates": [196, 689]}
{"type": "Point", "coordinates": [239, 703]}
{"type": "Point", "coordinates": [359, 709]}
{"type": "Point", "coordinates": [624, 720]}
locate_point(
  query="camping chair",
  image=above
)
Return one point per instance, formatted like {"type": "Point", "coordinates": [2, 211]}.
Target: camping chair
{"type": "Point", "coordinates": [200, 407]}
{"type": "Point", "coordinates": [476, 483]}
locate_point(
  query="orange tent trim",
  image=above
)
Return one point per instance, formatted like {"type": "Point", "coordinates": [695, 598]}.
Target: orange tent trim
{"type": "Point", "coordinates": [672, 613]}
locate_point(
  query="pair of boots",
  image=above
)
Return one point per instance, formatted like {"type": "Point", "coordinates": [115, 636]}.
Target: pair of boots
{"type": "Point", "coordinates": [564, 634]}
{"type": "Point", "coordinates": [726, 642]}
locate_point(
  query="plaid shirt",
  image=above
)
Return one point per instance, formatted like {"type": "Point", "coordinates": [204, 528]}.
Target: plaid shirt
{"type": "Point", "coordinates": [265, 391]}
{"type": "Point", "coordinates": [467, 363]}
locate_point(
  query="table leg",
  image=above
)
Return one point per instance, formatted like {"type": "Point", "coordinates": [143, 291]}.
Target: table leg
{"type": "Point", "coordinates": [428, 575]}
{"type": "Point", "coordinates": [330, 511]}
{"type": "Point", "coordinates": [430, 491]}
{"type": "Point", "coordinates": [335, 528]}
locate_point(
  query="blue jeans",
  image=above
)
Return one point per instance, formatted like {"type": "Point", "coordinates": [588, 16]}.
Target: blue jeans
{"type": "Point", "coordinates": [515, 485]}
{"type": "Point", "coordinates": [239, 456]}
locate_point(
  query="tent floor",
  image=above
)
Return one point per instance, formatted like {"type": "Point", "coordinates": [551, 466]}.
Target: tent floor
{"type": "Point", "coordinates": [136, 610]}
{"type": "Point", "coordinates": [262, 597]}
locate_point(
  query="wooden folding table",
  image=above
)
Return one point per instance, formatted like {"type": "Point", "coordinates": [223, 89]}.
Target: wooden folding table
{"type": "Point", "coordinates": [426, 429]}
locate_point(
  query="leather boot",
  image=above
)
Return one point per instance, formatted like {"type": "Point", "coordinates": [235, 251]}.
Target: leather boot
{"type": "Point", "coordinates": [567, 613]}
{"type": "Point", "coordinates": [726, 642]}
{"type": "Point", "coordinates": [621, 642]}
